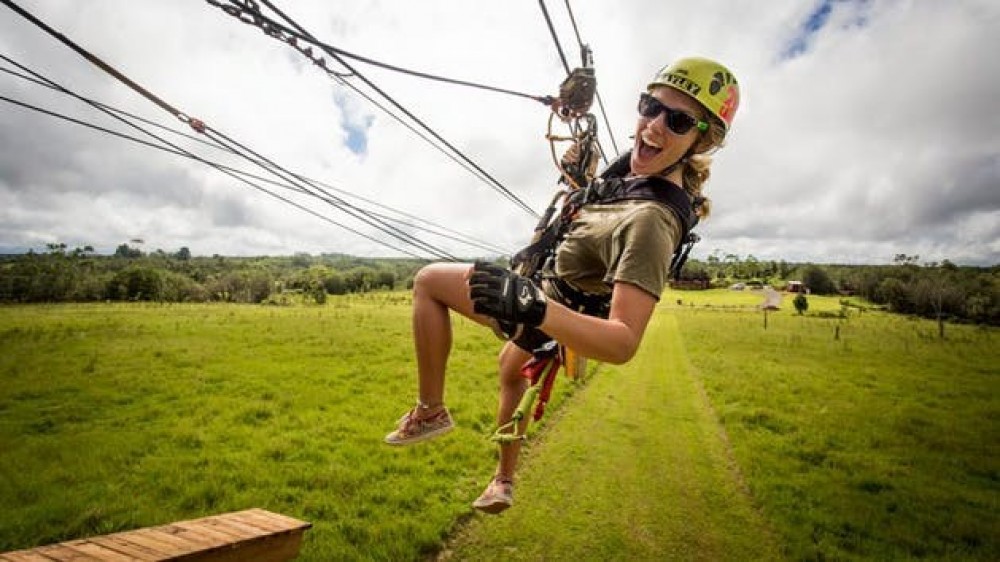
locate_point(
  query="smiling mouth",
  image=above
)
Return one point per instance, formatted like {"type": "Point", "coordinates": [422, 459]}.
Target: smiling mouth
{"type": "Point", "coordinates": [648, 148]}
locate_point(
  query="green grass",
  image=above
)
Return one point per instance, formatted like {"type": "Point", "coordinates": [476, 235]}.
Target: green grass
{"type": "Point", "coordinates": [865, 437]}
{"type": "Point", "coordinates": [881, 444]}
{"type": "Point", "coordinates": [120, 416]}
{"type": "Point", "coordinates": [634, 470]}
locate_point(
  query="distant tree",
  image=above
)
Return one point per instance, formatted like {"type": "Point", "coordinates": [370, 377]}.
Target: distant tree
{"type": "Point", "coordinates": [801, 303]}
{"type": "Point", "coordinates": [818, 280]}
{"type": "Point", "coordinates": [893, 292]}
{"type": "Point", "coordinates": [136, 283]}
{"type": "Point", "coordinates": [184, 254]}
{"type": "Point", "coordinates": [784, 269]}
{"type": "Point", "coordinates": [318, 294]}
{"type": "Point", "coordinates": [127, 252]}
{"type": "Point", "coordinates": [386, 278]}
{"type": "Point", "coordinates": [360, 279]}
{"type": "Point", "coordinates": [732, 263]}
{"type": "Point", "coordinates": [334, 283]}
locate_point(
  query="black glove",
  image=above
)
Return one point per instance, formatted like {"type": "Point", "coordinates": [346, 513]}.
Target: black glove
{"type": "Point", "coordinates": [512, 300]}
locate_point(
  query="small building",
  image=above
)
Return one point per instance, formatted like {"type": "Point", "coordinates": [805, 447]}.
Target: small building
{"type": "Point", "coordinates": [795, 287]}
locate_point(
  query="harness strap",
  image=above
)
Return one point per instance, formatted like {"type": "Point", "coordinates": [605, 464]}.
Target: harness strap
{"type": "Point", "coordinates": [652, 188]}
{"type": "Point", "coordinates": [591, 304]}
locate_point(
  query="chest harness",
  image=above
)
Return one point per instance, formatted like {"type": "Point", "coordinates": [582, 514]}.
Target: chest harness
{"type": "Point", "coordinates": [537, 260]}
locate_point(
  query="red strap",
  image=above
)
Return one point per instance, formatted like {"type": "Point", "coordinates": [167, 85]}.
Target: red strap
{"type": "Point", "coordinates": [546, 393]}
{"type": "Point", "coordinates": [532, 368]}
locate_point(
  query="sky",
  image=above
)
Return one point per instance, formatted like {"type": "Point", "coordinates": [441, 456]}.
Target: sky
{"type": "Point", "coordinates": [866, 129]}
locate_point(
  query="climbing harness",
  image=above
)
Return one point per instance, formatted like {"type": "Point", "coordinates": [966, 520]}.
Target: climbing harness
{"type": "Point", "coordinates": [541, 370]}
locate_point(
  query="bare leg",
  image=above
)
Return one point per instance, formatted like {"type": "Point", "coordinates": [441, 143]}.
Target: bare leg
{"type": "Point", "coordinates": [512, 387]}
{"type": "Point", "coordinates": [436, 289]}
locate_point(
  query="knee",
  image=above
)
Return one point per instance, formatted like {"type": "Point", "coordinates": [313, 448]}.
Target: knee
{"type": "Point", "coordinates": [510, 361]}
{"type": "Point", "coordinates": [424, 280]}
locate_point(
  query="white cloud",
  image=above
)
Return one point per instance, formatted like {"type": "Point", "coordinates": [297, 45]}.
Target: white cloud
{"type": "Point", "coordinates": [876, 139]}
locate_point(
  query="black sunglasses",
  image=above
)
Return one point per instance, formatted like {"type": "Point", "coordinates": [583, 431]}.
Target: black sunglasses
{"type": "Point", "coordinates": [677, 121]}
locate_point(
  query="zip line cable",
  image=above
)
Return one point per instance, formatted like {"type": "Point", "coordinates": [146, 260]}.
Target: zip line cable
{"type": "Point", "coordinates": [562, 56]}
{"type": "Point", "coordinates": [414, 130]}
{"type": "Point", "coordinates": [552, 30]}
{"type": "Point", "coordinates": [329, 50]}
{"type": "Point", "coordinates": [205, 130]}
{"type": "Point", "coordinates": [340, 78]}
{"type": "Point", "coordinates": [213, 145]}
{"type": "Point", "coordinates": [344, 206]}
{"type": "Point", "coordinates": [437, 229]}
{"type": "Point", "coordinates": [282, 32]}
{"type": "Point", "coordinates": [202, 128]}
{"type": "Point", "coordinates": [108, 107]}
{"type": "Point", "coordinates": [600, 102]}
{"type": "Point", "coordinates": [246, 13]}
{"type": "Point", "coordinates": [195, 157]}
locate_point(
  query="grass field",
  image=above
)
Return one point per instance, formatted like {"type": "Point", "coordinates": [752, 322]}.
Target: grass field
{"type": "Point", "coordinates": [120, 416]}
{"type": "Point", "coordinates": [863, 437]}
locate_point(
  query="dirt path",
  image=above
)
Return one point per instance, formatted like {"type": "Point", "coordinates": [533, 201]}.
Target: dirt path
{"type": "Point", "coordinates": [635, 469]}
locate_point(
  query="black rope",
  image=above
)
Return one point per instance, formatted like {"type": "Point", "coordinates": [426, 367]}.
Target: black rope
{"type": "Point", "coordinates": [198, 158]}
{"type": "Point", "coordinates": [552, 30]}
{"type": "Point", "coordinates": [600, 102]}
{"type": "Point", "coordinates": [344, 206]}
{"type": "Point", "coordinates": [414, 130]}
{"type": "Point", "coordinates": [246, 12]}
{"type": "Point", "coordinates": [108, 107]}
{"type": "Point", "coordinates": [440, 231]}
{"type": "Point", "coordinates": [307, 36]}
{"type": "Point", "coordinates": [186, 154]}
{"type": "Point", "coordinates": [198, 125]}
{"type": "Point", "coordinates": [301, 33]}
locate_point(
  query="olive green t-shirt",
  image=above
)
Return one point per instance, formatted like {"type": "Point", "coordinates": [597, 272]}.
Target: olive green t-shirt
{"type": "Point", "coordinates": [625, 242]}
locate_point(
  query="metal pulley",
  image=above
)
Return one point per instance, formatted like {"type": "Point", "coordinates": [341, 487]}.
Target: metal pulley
{"type": "Point", "coordinates": [576, 93]}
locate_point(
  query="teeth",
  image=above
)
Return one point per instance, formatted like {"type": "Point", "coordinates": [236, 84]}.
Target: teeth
{"type": "Point", "coordinates": [646, 138]}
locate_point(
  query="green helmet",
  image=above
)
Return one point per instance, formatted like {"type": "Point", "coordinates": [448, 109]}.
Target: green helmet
{"type": "Point", "coordinates": [706, 81]}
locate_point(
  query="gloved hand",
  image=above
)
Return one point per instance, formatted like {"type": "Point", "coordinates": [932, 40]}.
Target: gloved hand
{"type": "Point", "coordinates": [570, 162]}
{"type": "Point", "coordinates": [512, 300]}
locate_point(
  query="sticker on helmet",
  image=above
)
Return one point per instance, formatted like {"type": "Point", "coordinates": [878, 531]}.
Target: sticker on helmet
{"type": "Point", "coordinates": [683, 83]}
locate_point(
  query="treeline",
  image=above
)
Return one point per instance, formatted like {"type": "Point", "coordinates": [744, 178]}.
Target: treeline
{"type": "Point", "coordinates": [79, 275]}
{"type": "Point", "coordinates": [932, 290]}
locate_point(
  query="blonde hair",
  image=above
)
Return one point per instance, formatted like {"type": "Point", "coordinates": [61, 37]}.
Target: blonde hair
{"type": "Point", "coordinates": [697, 167]}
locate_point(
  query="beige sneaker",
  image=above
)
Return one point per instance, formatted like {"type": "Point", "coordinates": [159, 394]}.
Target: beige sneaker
{"type": "Point", "coordinates": [498, 496]}
{"type": "Point", "coordinates": [412, 429]}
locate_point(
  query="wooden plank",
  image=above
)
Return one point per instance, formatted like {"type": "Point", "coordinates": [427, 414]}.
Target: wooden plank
{"type": "Point", "coordinates": [206, 525]}
{"type": "Point", "coordinates": [282, 521]}
{"type": "Point", "coordinates": [219, 538]}
{"type": "Point", "coordinates": [63, 553]}
{"type": "Point", "coordinates": [180, 546]}
{"type": "Point", "coordinates": [204, 540]}
{"type": "Point", "coordinates": [254, 520]}
{"type": "Point", "coordinates": [159, 548]}
{"type": "Point", "coordinates": [99, 552]}
{"type": "Point", "coordinates": [273, 548]}
{"type": "Point", "coordinates": [253, 534]}
{"type": "Point", "coordinates": [245, 531]}
{"type": "Point", "coordinates": [117, 544]}
{"type": "Point", "coordinates": [25, 556]}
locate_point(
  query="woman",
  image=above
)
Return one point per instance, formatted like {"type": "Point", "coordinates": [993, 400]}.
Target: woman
{"type": "Point", "coordinates": [620, 250]}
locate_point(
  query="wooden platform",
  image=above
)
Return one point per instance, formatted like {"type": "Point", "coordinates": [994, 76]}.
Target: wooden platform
{"type": "Point", "coordinates": [251, 535]}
